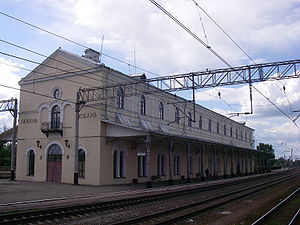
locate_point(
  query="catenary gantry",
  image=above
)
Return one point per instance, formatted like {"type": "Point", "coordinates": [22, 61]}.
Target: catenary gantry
{"type": "Point", "coordinates": [202, 79]}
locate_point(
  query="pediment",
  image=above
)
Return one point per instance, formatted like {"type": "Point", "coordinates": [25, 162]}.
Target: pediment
{"type": "Point", "coordinates": [58, 63]}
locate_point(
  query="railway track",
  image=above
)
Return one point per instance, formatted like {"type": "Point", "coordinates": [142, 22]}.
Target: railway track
{"type": "Point", "coordinates": [65, 212]}
{"type": "Point", "coordinates": [177, 214]}
{"type": "Point", "coordinates": [286, 211]}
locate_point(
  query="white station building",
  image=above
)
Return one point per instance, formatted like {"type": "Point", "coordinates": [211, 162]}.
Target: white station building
{"type": "Point", "coordinates": [134, 132]}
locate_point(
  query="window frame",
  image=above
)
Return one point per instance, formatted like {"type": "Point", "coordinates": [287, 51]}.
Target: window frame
{"type": "Point", "coordinates": [55, 117]}
{"type": "Point", "coordinates": [190, 119]}
{"type": "Point", "coordinates": [177, 117]}
{"type": "Point", "coordinates": [209, 125]}
{"type": "Point", "coordinates": [142, 105]}
{"type": "Point", "coordinates": [81, 163]}
{"type": "Point", "coordinates": [120, 98]}
{"type": "Point", "coordinates": [200, 123]}
{"type": "Point", "coordinates": [161, 110]}
{"type": "Point", "coordinates": [31, 163]}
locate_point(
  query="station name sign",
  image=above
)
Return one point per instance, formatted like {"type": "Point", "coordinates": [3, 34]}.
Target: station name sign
{"type": "Point", "coordinates": [87, 115]}
{"type": "Point", "coordinates": [28, 120]}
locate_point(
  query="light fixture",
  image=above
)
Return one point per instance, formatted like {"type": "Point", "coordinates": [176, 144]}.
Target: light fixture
{"type": "Point", "coordinates": [38, 144]}
{"type": "Point", "coordinates": [134, 146]}
{"type": "Point", "coordinates": [67, 143]}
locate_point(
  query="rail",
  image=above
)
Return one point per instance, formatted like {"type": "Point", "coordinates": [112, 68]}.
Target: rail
{"type": "Point", "coordinates": [50, 214]}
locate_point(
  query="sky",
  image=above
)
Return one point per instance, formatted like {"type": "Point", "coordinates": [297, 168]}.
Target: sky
{"type": "Point", "coordinates": [138, 33]}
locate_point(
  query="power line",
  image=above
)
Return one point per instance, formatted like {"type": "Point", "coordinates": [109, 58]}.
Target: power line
{"type": "Point", "coordinates": [74, 42]}
{"type": "Point", "coordinates": [77, 43]}
{"type": "Point", "coordinates": [37, 53]}
{"type": "Point", "coordinates": [34, 62]}
{"type": "Point", "coordinates": [60, 36]}
{"type": "Point", "coordinates": [276, 106]}
{"type": "Point", "coordinates": [223, 31]}
{"type": "Point", "coordinates": [243, 52]}
{"type": "Point", "coordinates": [136, 117]}
{"type": "Point", "coordinates": [191, 33]}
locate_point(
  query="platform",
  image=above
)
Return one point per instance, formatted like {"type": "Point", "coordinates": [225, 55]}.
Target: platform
{"type": "Point", "coordinates": [22, 195]}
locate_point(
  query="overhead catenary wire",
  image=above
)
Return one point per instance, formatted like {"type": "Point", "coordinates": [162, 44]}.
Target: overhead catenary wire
{"type": "Point", "coordinates": [203, 28]}
{"type": "Point", "coordinates": [34, 62]}
{"type": "Point", "coordinates": [191, 33]}
{"type": "Point", "coordinates": [224, 31]}
{"type": "Point", "coordinates": [77, 43]}
{"type": "Point", "coordinates": [93, 107]}
{"type": "Point", "coordinates": [71, 41]}
{"type": "Point", "coordinates": [54, 59]}
{"type": "Point", "coordinates": [152, 92]}
{"type": "Point", "coordinates": [276, 106]}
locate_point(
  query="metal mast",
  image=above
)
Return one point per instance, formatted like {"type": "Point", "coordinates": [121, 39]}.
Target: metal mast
{"type": "Point", "coordinates": [11, 106]}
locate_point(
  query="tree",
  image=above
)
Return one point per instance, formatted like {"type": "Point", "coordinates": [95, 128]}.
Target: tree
{"type": "Point", "coordinates": [269, 149]}
{"type": "Point", "coordinates": [5, 152]}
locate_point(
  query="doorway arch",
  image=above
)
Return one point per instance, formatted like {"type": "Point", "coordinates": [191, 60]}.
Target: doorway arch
{"type": "Point", "coordinates": [54, 163]}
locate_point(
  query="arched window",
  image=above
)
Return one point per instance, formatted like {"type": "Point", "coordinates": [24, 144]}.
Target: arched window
{"type": "Point", "coordinates": [218, 127]}
{"type": "Point", "coordinates": [120, 100]}
{"type": "Point", "coordinates": [122, 158]}
{"type": "Point", "coordinates": [160, 164]}
{"type": "Point", "coordinates": [230, 131]}
{"type": "Point", "coordinates": [31, 157]}
{"type": "Point", "coordinates": [54, 153]}
{"type": "Point", "coordinates": [161, 110]}
{"type": "Point", "coordinates": [143, 105]}
{"type": "Point", "coordinates": [177, 118]}
{"type": "Point", "coordinates": [81, 163]}
{"type": "Point", "coordinates": [236, 134]}
{"type": "Point", "coordinates": [200, 122]}
{"type": "Point", "coordinates": [115, 164]}
{"type": "Point", "coordinates": [189, 119]}
{"type": "Point", "coordinates": [209, 125]}
{"type": "Point", "coordinates": [225, 129]}
{"type": "Point", "coordinates": [55, 117]}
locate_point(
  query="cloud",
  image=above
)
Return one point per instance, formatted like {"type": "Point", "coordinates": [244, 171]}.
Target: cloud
{"type": "Point", "coordinates": [8, 78]}
{"type": "Point", "coordinates": [267, 30]}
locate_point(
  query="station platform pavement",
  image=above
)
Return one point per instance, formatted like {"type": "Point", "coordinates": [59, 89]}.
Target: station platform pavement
{"type": "Point", "coordinates": [24, 195]}
{"type": "Point", "coordinates": [19, 191]}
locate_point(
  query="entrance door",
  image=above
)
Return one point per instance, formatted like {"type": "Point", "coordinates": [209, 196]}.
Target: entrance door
{"type": "Point", "coordinates": [54, 163]}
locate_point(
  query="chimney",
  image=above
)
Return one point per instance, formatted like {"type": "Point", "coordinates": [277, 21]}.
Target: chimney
{"type": "Point", "coordinates": [92, 55]}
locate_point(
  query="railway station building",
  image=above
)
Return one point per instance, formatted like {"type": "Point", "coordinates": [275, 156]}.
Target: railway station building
{"type": "Point", "coordinates": [129, 132]}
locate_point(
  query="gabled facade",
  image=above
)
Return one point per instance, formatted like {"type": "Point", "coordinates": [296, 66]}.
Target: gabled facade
{"type": "Point", "coordinates": [127, 136]}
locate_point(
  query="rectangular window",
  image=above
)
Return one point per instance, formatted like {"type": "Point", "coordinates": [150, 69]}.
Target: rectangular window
{"type": "Point", "coordinates": [141, 165]}
{"type": "Point", "coordinates": [160, 164]}
{"type": "Point", "coordinates": [189, 119]}
{"type": "Point", "coordinates": [200, 122]}
{"type": "Point", "coordinates": [176, 165]}
{"type": "Point", "coordinates": [209, 125]}
{"type": "Point", "coordinates": [191, 165]}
